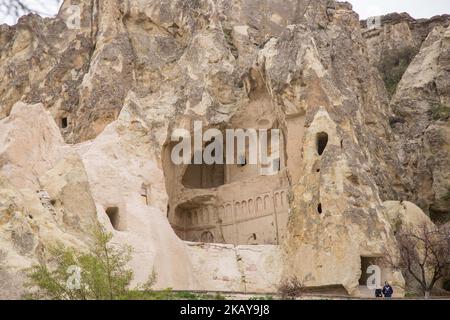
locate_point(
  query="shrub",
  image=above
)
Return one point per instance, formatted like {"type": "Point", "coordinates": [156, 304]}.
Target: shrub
{"type": "Point", "coordinates": [447, 196]}
{"type": "Point", "coordinates": [168, 294]}
{"type": "Point", "coordinates": [291, 288]}
{"type": "Point", "coordinates": [261, 298]}
{"type": "Point", "coordinates": [446, 285]}
{"type": "Point", "coordinates": [440, 112]}
{"type": "Point", "coordinates": [424, 254]}
{"type": "Point", "coordinates": [103, 273]}
{"type": "Point", "coordinates": [393, 65]}
{"type": "Point", "coordinates": [411, 294]}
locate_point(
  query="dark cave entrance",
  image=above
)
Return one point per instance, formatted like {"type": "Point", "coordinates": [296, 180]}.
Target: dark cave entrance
{"type": "Point", "coordinates": [114, 218]}
{"type": "Point", "coordinates": [321, 142]}
{"type": "Point", "coordinates": [366, 262]}
{"type": "Point", "coordinates": [203, 176]}
{"type": "Point", "coordinates": [64, 122]}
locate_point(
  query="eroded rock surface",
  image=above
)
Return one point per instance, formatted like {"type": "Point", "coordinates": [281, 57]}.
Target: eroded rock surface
{"type": "Point", "coordinates": [87, 113]}
{"type": "Point", "coordinates": [422, 101]}
{"type": "Point", "coordinates": [398, 32]}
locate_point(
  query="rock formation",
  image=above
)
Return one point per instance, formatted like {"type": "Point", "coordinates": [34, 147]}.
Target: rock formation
{"type": "Point", "coordinates": [420, 105]}
{"type": "Point", "coordinates": [399, 32]}
{"type": "Point", "coordinates": [88, 106]}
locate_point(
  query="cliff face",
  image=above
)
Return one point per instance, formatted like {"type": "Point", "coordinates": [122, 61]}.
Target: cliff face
{"type": "Point", "coordinates": [399, 32]}
{"type": "Point", "coordinates": [87, 114]}
{"type": "Point", "coordinates": [418, 50]}
{"type": "Point", "coordinates": [422, 103]}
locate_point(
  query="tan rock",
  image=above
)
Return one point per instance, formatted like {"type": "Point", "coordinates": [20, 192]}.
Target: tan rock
{"type": "Point", "coordinates": [422, 137]}
{"type": "Point", "coordinates": [223, 267]}
{"type": "Point", "coordinates": [70, 196]}
{"type": "Point", "coordinates": [30, 145]}
{"type": "Point", "coordinates": [119, 163]}
{"type": "Point", "coordinates": [404, 213]}
{"type": "Point", "coordinates": [134, 71]}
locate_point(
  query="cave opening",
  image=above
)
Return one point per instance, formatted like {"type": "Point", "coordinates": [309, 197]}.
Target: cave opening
{"type": "Point", "coordinates": [319, 208]}
{"type": "Point", "coordinates": [215, 202]}
{"type": "Point", "coordinates": [64, 123]}
{"type": "Point", "coordinates": [114, 218]}
{"type": "Point", "coordinates": [204, 176]}
{"type": "Point", "coordinates": [195, 221]}
{"type": "Point", "coordinates": [207, 237]}
{"type": "Point", "coordinates": [366, 262]}
{"type": "Point", "coordinates": [321, 142]}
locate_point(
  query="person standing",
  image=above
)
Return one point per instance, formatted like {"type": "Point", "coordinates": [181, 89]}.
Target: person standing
{"type": "Point", "coordinates": [387, 290]}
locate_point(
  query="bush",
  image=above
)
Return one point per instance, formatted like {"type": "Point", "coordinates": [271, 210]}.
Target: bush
{"type": "Point", "coordinates": [292, 287]}
{"type": "Point", "coordinates": [393, 65]}
{"type": "Point", "coordinates": [261, 298]}
{"type": "Point", "coordinates": [424, 255]}
{"type": "Point", "coordinates": [447, 196]}
{"type": "Point", "coordinates": [168, 294]}
{"type": "Point", "coordinates": [440, 112]}
{"type": "Point", "coordinates": [446, 285]}
{"type": "Point", "coordinates": [103, 273]}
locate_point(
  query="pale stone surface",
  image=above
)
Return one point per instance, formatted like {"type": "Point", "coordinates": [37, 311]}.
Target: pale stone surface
{"type": "Point", "coordinates": [405, 213]}
{"type": "Point", "coordinates": [136, 70]}
{"type": "Point", "coordinates": [262, 266]}
{"type": "Point", "coordinates": [118, 163]}
{"type": "Point", "coordinates": [29, 145]}
{"type": "Point", "coordinates": [217, 266]}
{"type": "Point", "coordinates": [222, 267]}
{"type": "Point", "coordinates": [67, 184]}
{"type": "Point", "coordinates": [32, 218]}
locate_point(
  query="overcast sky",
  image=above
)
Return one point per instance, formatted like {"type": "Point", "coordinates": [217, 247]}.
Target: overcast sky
{"type": "Point", "coordinates": [416, 8]}
{"type": "Point", "coordinates": [43, 7]}
{"type": "Point", "coordinates": [365, 8]}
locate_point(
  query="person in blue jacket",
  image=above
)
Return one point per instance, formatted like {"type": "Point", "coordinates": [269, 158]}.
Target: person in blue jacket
{"type": "Point", "coordinates": [387, 290]}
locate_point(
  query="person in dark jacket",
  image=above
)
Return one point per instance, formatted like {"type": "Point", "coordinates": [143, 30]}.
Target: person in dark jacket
{"type": "Point", "coordinates": [378, 293]}
{"type": "Point", "coordinates": [387, 290]}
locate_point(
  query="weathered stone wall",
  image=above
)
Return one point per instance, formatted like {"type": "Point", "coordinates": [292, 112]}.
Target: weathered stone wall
{"type": "Point", "coordinates": [420, 106]}
{"type": "Point", "coordinates": [255, 268]}
{"type": "Point", "coordinates": [86, 117]}
{"type": "Point", "coordinates": [422, 103]}
{"type": "Point", "coordinates": [398, 32]}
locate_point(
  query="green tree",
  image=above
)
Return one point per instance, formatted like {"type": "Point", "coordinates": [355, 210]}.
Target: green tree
{"type": "Point", "coordinates": [98, 274]}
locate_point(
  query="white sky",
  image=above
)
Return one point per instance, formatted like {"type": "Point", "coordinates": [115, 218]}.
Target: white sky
{"type": "Point", "coordinates": [365, 8]}
{"type": "Point", "coordinates": [416, 8]}
{"type": "Point", "coordinates": [43, 7]}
